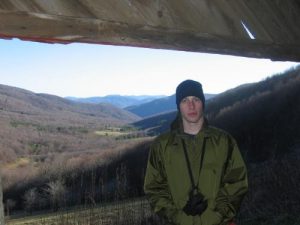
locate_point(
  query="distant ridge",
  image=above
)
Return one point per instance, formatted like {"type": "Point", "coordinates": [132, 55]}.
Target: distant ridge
{"type": "Point", "coordinates": [118, 100]}
{"type": "Point", "coordinates": [158, 106]}
{"type": "Point", "coordinates": [15, 99]}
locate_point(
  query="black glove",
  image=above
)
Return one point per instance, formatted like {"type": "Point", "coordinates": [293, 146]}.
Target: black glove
{"type": "Point", "coordinates": [196, 204]}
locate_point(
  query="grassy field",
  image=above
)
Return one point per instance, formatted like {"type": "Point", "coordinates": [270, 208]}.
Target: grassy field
{"type": "Point", "coordinates": [110, 133]}
{"type": "Point", "coordinates": [120, 133]}
{"type": "Point", "coordinates": [127, 212]}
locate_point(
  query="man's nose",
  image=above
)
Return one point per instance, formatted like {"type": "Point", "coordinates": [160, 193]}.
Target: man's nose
{"type": "Point", "coordinates": [191, 104]}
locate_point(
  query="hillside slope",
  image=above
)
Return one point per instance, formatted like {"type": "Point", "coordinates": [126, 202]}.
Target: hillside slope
{"type": "Point", "coordinates": [154, 107]}
{"type": "Point", "coordinates": [263, 117]}
{"type": "Point", "coordinates": [41, 124]}
{"type": "Point", "coordinates": [16, 100]}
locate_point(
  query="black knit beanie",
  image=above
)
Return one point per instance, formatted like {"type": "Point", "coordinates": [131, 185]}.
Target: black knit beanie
{"type": "Point", "coordinates": [189, 88]}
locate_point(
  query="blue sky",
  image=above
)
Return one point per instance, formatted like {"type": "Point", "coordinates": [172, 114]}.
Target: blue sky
{"type": "Point", "coordinates": [85, 70]}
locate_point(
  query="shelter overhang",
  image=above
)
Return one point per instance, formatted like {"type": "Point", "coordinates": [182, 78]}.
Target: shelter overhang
{"type": "Point", "coordinates": [260, 29]}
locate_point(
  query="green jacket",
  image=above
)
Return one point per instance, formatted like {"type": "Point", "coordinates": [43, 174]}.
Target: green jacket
{"type": "Point", "coordinates": [222, 179]}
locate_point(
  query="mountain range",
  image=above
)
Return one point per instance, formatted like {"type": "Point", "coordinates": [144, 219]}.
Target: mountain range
{"type": "Point", "coordinates": [142, 106]}
{"type": "Point", "coordinates": [118, 100]}
{"type": "Point", "coordinates": [18, 101]}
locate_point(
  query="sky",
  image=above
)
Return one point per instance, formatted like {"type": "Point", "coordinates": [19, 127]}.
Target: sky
{"type": "Point", "coordinates": [87, 70]}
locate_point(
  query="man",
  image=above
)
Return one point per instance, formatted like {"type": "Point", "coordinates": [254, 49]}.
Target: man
{"type": "Point", "coordinates": [195, 173]}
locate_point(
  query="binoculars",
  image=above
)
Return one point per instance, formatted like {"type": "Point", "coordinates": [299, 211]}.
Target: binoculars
{"type": "Point", "coordinates": [196, 204]}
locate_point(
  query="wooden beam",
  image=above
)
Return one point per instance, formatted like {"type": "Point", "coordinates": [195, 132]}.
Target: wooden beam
{"type": "Point", "coordinates": [62, 29]}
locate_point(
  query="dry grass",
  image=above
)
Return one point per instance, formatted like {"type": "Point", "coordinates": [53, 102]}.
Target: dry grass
{"type": "Point", "coordinates": [20, 162]}
{"type": "Point", "coordinates": [131, 212]}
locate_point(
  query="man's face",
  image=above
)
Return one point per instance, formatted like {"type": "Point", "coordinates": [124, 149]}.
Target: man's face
{"type": "Point", "coordinates": [191, 109]}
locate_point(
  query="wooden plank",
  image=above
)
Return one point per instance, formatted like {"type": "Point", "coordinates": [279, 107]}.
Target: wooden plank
{"type": "Point", "coordinates": [61, 29]}
{"type": "Point", "coordinates": [204, 16]}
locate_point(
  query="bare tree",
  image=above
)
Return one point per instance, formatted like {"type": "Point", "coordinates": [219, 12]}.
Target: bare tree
{"type": "Point", "coordinates": [30, 199]}
{"type": "Point", "coordinates": [56, 190]}
{"type": "Point", "coordinates": [121, 182]}
{"type": "Point", "coordinates": [9, 204]}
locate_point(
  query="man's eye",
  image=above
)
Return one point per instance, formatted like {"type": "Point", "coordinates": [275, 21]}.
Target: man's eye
{"type": "Point", "coordinates": [184, 100]}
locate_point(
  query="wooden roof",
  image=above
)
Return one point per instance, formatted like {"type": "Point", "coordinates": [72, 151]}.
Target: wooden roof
{"type": "Point", "coordinates": [212, 26]}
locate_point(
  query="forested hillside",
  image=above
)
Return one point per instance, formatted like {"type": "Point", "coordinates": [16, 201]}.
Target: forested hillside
{"type": "Point", "coordinates": [43, 136]}
{"type": "Point", "coordinates": [263, 117]}
{"type": "Point", "coordinates": [35, 124]}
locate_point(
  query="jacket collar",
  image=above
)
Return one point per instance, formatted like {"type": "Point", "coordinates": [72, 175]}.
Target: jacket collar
{"type": "Point", "coordinates": [178, 133]}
